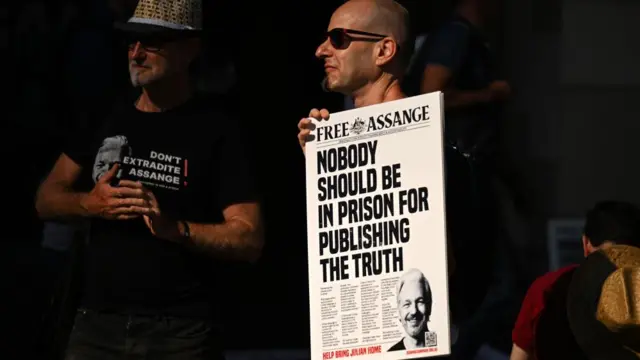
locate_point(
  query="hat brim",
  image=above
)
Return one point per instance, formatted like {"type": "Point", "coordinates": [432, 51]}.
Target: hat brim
{"type": "Point", "coordinates": [150, 29]}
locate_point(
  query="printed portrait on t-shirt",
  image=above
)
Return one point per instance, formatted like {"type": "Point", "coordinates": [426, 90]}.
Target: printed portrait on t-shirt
{"type": "Point", "coordinates": [113, 150]}
{"type": "Point", "coordinates": [414, 299]}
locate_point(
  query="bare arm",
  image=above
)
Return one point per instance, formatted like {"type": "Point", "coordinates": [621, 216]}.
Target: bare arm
{"type": "Point", "coordinates": [55, 198]}
{"type": "Point", "coordinates": [438, 77]}
{"type": "Point", "coordinates": [518, 354]}
{"type": "Point", "coordinates": [240, 236]}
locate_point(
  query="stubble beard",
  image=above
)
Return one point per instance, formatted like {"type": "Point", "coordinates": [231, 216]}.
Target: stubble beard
{"type": "Point", "coordinates": [139, 80]}
{"type": "Point", "coordinates": [333, 85]}
{"type": "Point", "coordinates": [338, 83]}
{"type": "Point", "coordinates": [134, 75]}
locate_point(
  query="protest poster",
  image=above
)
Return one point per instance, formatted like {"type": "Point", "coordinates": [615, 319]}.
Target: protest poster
{"type": "Point", "coordinates": [377, 232]}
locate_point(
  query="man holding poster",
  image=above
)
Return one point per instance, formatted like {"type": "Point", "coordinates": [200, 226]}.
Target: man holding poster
{"type": "Point", "coordinates": [343, 53]}
{"type": "Point", "coordinates": [376, 223]}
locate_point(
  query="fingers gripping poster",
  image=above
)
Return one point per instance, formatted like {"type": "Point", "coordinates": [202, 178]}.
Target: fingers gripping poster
{"type": "Point", "coordinates": [376, 232]}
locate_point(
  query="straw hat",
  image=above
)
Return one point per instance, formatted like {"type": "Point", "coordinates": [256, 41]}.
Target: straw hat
{"type": "Point", "coordinates": [603, 305]}
{"type": "Point", "coordinates": [176, 17]}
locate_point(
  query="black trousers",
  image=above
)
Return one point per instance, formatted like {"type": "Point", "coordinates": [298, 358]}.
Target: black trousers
{"type": "Point", "coordinates": [103, 336]}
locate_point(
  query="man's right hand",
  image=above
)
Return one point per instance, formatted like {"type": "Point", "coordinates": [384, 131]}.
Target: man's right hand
{"type": "Point", "coordinates": [115, 203]}
{"type": "Point", "coordinates": [305, 125]}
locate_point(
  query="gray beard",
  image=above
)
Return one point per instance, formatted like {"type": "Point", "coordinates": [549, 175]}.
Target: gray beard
{"type": "Point", "coordinates": [135, 81]}
{"type": "Point", "coordinates": [134, 75]}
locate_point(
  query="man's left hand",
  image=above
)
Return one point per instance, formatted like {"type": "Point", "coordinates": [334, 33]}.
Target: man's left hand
{"type": "Point", "coordinates": [160, 225]}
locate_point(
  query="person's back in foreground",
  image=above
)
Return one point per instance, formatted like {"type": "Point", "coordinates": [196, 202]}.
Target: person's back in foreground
{"type": "Point", "coordinates": [542, 330]}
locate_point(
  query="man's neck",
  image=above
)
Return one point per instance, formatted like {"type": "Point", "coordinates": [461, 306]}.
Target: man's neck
{"type": "Point", "coordinates": [412, 343]}
{"type": "Point", "coordinates": [165, 95]}
{"type": "Point", "coordinates": [470, 12]}
{"type": "Point", "coordinates": [386, 88]}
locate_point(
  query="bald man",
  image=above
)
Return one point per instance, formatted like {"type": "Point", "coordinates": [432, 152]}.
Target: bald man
{"type": "Point", "coordinates": [365, 53]}
{"type": "Point", "coordinates": [414, 309]}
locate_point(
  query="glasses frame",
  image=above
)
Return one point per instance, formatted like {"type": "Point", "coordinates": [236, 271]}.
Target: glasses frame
{"type": "Point", "coordinates": [347, 35]}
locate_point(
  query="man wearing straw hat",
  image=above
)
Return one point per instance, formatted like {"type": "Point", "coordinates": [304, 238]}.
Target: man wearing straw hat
{"type": "Point", "coordinates": [603, 304]}
{"type": "Point", "coordinates": [169, 211]}
{"type": "Point", "coordinates": [542, 330]}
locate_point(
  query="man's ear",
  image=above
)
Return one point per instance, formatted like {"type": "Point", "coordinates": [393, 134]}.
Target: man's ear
{"type": "Point", "coordinates": [386, 50]}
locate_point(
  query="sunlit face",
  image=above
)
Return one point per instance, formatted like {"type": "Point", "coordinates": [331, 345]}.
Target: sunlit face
{"type": "Point", "coordinates": [155, 58]}
{"type": "Point", "coordinates": [413, 308]}
{"type": "Point", "coordinates": [350, 68]}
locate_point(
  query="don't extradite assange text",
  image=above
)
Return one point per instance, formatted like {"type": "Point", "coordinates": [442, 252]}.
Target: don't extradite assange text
{"type": "Point", "coordinates": [376, 232]}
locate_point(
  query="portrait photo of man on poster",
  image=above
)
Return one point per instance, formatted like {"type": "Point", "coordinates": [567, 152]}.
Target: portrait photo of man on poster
{"type": "Point", "coordinates": [113, 150]}
{"type": "Point", "coordinates": [415, 302]}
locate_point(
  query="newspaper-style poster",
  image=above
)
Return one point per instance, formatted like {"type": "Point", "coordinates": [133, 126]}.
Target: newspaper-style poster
{"type": "Point", "coordinates": [376, 232]}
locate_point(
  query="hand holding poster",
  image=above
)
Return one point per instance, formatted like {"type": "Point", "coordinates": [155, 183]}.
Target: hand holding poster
{"type": "Point", "coordinates": [376, 232]}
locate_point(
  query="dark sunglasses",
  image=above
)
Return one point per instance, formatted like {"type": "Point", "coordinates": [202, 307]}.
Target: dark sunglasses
{"type": "Point", "coordinates": [341, 38]}
{"type": "Point", "coordinates": [149, 43]}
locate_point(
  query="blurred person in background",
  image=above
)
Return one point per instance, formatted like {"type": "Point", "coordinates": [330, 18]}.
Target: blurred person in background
{"type": "Point", "coordinates": [542, 330]}
{"type": "Point", "coordinates": [456, 58]}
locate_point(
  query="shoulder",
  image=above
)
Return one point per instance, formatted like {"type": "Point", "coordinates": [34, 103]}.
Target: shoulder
{"type": "Point", "coordinates": [221, 115]}
{"type": "Point", "coordinates": [397, 346]}
{"type": "Point", "coordinates": [545, 282]}
{"type": "Point", "coordinates": [542, 287]}
{"type": "Point", "coordinates": [455, 27]}
{"type": "Point", "coordinates": [215, 110]}
{"type": "Point", "coordinates": [213, 103]}
{"type": "Point", "coordinates": [534, 304]}
{"type": "Point", "coordinates": [448, 43]}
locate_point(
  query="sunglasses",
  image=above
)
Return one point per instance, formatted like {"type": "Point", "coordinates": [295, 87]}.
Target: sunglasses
{"type": "Point", "coordinates": [149, 43]}
{"type": "Point", "coordinates": [341, 38]}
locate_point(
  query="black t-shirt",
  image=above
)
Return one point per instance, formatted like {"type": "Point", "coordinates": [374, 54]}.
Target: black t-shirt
{"type": "Point", "coordinates": [193, 158]}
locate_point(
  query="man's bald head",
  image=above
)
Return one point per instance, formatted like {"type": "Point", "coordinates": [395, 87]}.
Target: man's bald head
{"type": "Point", "coordinates": [367, 39]}
{"type": "Point", "coordinates": [386, 17]}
